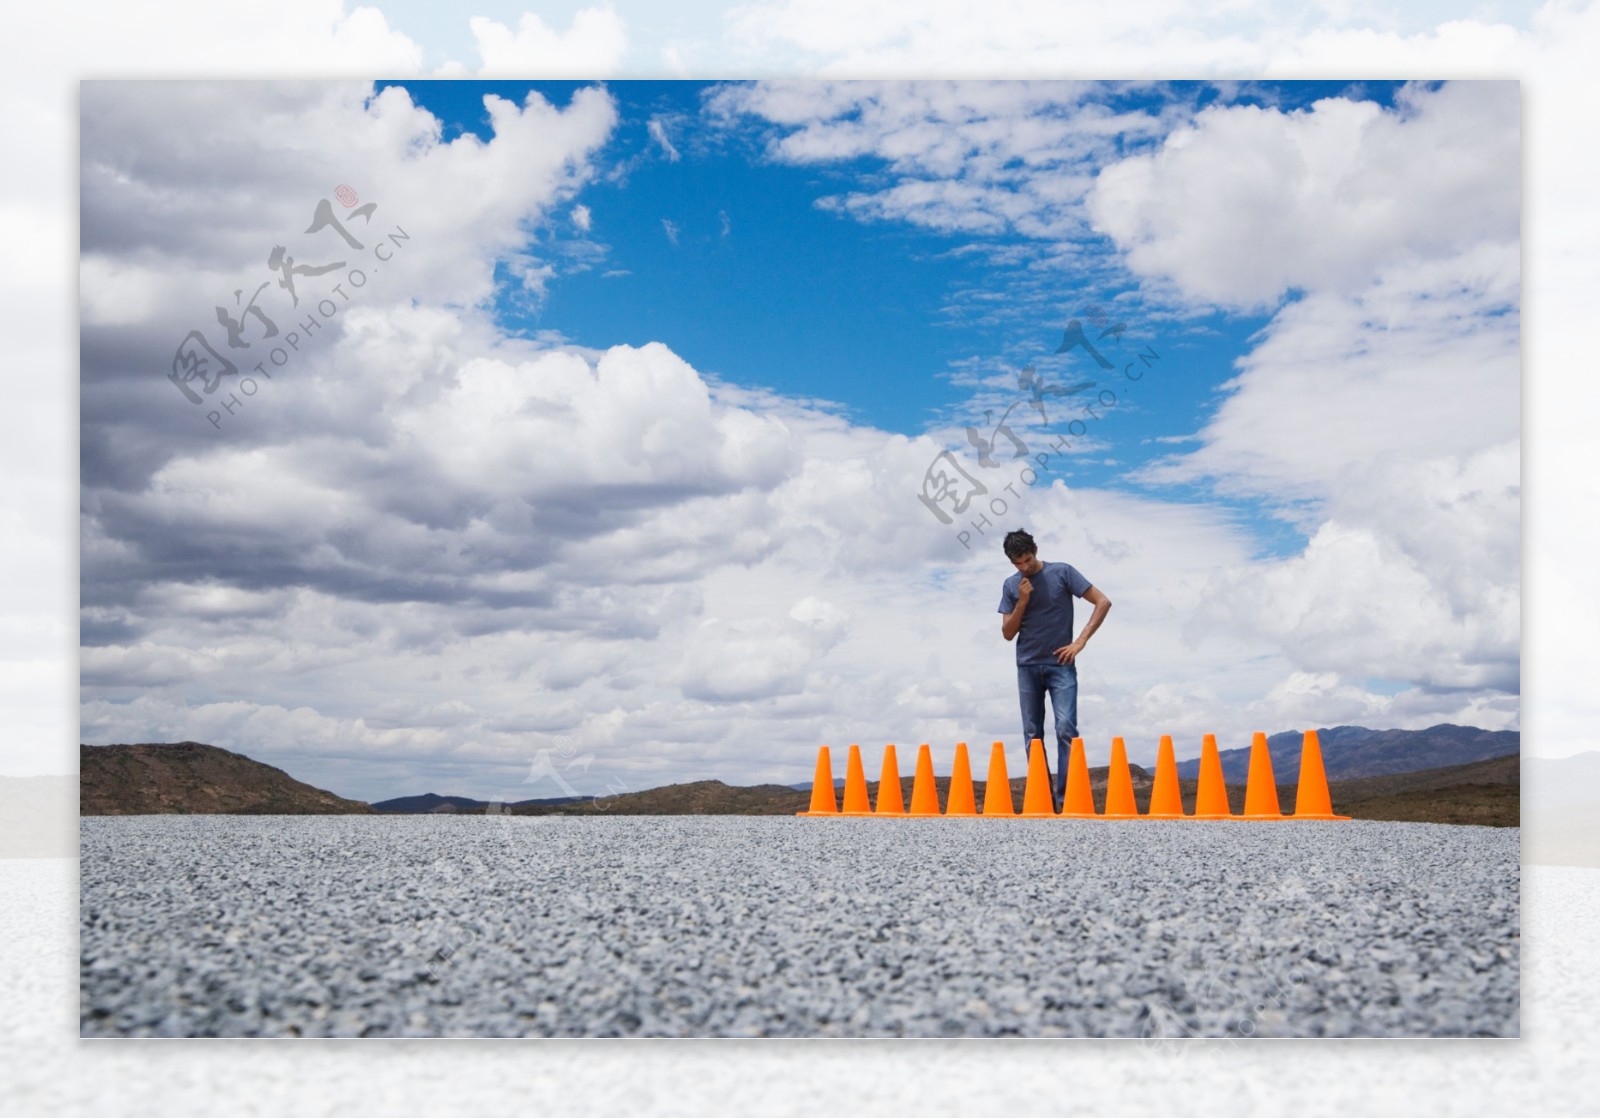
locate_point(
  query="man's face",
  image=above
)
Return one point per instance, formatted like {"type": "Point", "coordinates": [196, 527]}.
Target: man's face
{"type": "Point", "coordinates": [1029, 564]}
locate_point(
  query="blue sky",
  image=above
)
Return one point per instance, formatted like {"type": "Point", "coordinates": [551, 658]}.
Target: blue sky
{"type": "Point", "coordinates": [757, 284]}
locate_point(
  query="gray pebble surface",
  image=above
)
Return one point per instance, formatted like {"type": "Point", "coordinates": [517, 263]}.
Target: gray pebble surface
{"type": "Point", "coordinates": [737, 926]}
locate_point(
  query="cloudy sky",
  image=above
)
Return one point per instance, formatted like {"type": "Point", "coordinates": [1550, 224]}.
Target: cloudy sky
{"type": "Point", "coordinates": [586, 425]}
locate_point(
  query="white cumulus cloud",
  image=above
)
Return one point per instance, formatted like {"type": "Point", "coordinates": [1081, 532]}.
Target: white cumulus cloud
{"type": "Point", "coordinates": [1248, 203]}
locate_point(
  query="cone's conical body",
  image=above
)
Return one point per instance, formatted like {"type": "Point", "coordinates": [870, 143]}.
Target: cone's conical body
{"type": "Point", "coordinates": [960, 801]}
{"type": "Point", "coordinates": [1261, 792]}
{"type": "Point", "coordinates": [997, 788]}
{"type": "Point", "coordinates": [1311, 800]}
{"type": "Point", "coordinates": [1166, 801]}
{"type": "Point", "coordinates": [823, 802]}
{"type": "Point", "coordinates": [855, 787]}
{"type": "Point", "coordinates": [924, 793]}
{"type": "Point", "coordinates": [1078, 800]}
{"type": "Point", "coordinates": [890, 802]}
{"type": "Point", "coordinates": [1119, 785]}
{"type": "Point", "coordinates": [1211, 798]}
{"type": "Point", "coordinates": [1036, 799]}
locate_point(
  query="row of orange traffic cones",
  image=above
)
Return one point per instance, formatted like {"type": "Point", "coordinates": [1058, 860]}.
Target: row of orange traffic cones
{"type": "Point", "coordinates": [1312, 801]}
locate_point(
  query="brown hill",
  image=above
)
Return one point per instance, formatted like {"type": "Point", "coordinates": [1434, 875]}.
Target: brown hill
{"type": "Point", "coordinates": [697, 798]}
{"type": "Point", "coordinates": [151, 778]}
{"type": "Point", "coordinates": [1487, 792]}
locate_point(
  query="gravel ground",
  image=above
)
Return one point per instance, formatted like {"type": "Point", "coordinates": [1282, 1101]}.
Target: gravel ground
{"type": "Point", "coordinates": [485, 926]}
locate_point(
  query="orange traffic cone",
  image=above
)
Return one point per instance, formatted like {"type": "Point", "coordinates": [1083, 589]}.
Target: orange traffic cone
{"type": "Point", "coordinates": [1036, 798]}
{"type": "Point", "coordinates": [823, 800]}
{"type": "Point", "coordinates": [1166, 802]}
{"type": "Point", "coordinates": [1119, 785]}
{"type": "Point", "coordinates": [1211, 798]}
{"type": "Point", "coordinates": [1311, 800]}
{"type": "Point", "coordinates": [1261, 792]}
{"type": "Point", "coordinates": [890, 802]}
{"type": "Point", "coordinates": [855, 786]}
{"type": "Point", "coordinates": [997, 789]}
{"type": "Point", "coordinates": [924, 793]}
{"type": "Point", "coordinates": [960, 801]}
{"type": "Point", "coordinates": [1078, 800]}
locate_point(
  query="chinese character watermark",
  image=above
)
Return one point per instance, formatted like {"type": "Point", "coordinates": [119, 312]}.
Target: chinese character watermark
{"type": "Point", "coordinates": [950, 491]}
{"type": "Point", "coordinates": [546, 767]}
{"type": "Point", "coordinates": [200, 371]}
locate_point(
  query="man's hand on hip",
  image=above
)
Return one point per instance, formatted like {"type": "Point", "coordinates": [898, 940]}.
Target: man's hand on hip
{"type": "Point", "coordinates": [1068, 654]}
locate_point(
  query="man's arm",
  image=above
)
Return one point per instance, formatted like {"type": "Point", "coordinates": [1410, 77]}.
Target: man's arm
{"type": "Point", "coordinates": [1012, 622]}
{"type": "Point", "coordinates": [1102, 606]}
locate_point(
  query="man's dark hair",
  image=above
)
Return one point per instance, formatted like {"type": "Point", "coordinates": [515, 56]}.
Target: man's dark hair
{"type": "Point", "coordinates": [1019, 544]}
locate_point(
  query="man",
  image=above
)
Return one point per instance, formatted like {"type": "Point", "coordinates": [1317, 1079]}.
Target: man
{"type": "Point", "coordinates": [1037, 604]}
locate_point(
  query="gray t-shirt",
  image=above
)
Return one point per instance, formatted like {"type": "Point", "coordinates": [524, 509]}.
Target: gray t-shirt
{"type": "Point", "coordinates": [1048, 623]}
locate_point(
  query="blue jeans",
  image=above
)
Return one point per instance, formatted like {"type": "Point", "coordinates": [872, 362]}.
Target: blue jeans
{"type": "Point", "coordinates": [1061, 681]}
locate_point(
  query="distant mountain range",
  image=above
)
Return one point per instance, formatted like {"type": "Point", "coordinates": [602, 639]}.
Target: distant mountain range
{"type": "Point", "coordinates": [694, 798]}
{"type": "Point", "coordinates": [433, 802]}
{"type": "Point", "coordinates": [1352, 752]}
{"type": "Point", "coordinates": [1483, 792]}
{"type": "Point", "coordinates": [1445, 774]}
